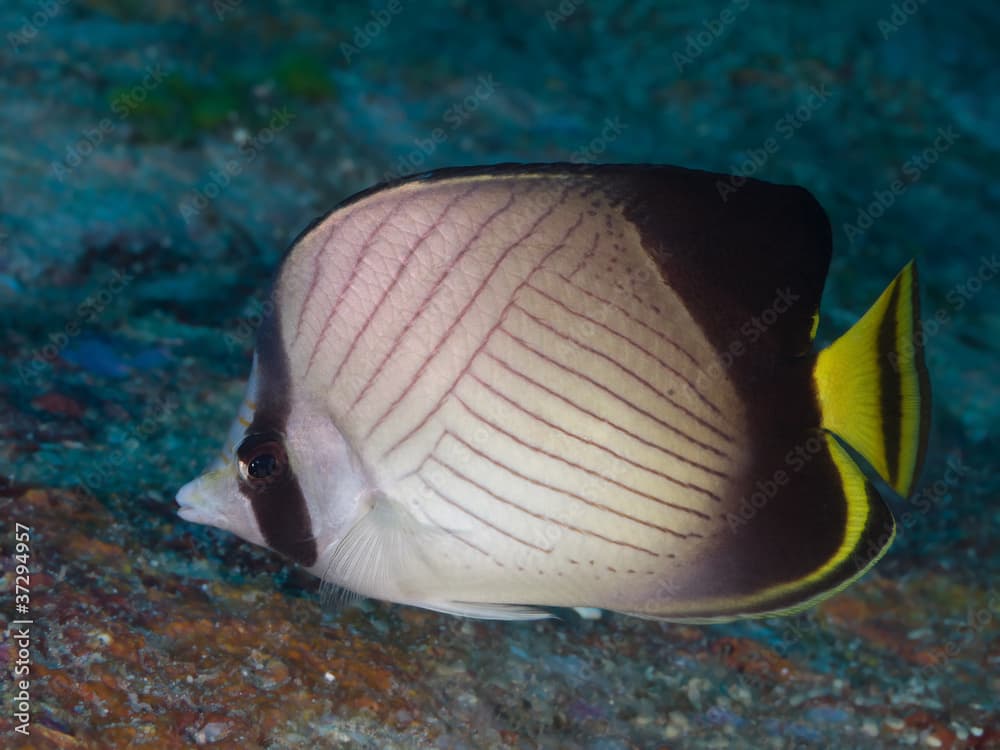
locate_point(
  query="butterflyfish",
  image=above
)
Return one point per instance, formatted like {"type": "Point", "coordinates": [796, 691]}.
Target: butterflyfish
{"type": "Point", "coordinates": [497, 391]}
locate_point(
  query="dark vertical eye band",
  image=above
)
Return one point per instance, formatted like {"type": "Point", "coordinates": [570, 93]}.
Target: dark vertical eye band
{"type": "Point", "coordinates": [262, 460]}
{"type": "Point", "coordinates": [267, 480]}
{"type": "Point", "coordinates": [266, 477]}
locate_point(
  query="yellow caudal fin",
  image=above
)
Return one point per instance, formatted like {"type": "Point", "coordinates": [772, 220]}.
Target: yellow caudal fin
{"type": "Point", "coordinates": [873, 388]}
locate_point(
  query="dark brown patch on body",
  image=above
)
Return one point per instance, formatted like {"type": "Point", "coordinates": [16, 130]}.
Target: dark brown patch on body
{"type": "Point", "coordinates": [731, 255]}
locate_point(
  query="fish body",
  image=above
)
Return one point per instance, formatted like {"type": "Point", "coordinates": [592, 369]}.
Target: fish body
{"type": "Point", "coordinates": [488, 391]}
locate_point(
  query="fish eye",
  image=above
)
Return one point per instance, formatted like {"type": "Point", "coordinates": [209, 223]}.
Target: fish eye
{"type": "Point", "coordinates": [262, 459]}
{"type": "Point", "coordinates": [262, 466]}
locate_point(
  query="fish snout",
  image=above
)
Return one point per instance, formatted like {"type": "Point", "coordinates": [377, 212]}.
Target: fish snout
{"type": "Point", "coordinates": [195, 503]}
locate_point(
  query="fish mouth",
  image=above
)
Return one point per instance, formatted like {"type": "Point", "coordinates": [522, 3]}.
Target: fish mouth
{"type": "Point", "coordinates": [195, 504]}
